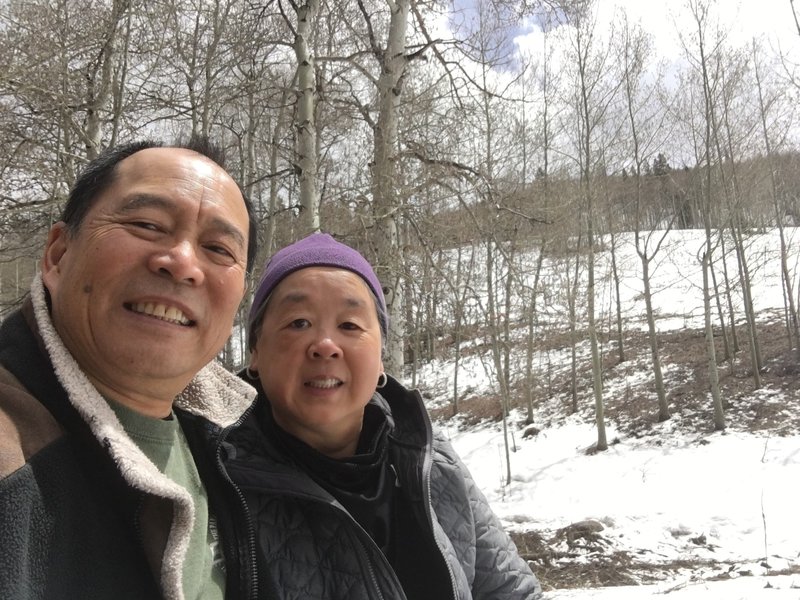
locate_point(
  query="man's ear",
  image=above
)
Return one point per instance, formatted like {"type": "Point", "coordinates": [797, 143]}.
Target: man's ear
{"type": "Point", "coordinates": [54, 250]}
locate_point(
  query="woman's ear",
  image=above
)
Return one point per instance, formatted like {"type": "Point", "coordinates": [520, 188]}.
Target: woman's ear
{"type": "Point", "coordinates": [253, 366]}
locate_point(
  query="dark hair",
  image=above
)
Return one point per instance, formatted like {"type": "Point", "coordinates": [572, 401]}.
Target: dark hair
{"type": "Point", "coordinates": [98, 175]}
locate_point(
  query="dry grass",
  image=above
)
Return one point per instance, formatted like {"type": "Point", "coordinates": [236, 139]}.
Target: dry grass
{"type": "Point", "coordinates": [683, 353]}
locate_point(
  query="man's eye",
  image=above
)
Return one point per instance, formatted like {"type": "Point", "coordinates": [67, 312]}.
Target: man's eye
{"type": "Point", "coordinates": [221, 250]}
{"type": "Point", "coordinates": [145, 225]}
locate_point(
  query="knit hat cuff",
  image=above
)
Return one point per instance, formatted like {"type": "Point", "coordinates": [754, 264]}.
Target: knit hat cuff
{"type": "Point", "coordinates": [315, 250]}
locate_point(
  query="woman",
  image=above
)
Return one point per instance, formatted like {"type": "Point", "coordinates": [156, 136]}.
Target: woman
{"type": "Point", "coordinates": [352, 494]}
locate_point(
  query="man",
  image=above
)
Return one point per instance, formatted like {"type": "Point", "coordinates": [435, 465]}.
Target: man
{"type": "Point", "coordinates": [112, 409]}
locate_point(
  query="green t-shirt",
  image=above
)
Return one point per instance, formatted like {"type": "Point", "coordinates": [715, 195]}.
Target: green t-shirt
{"type": "Point", "coordinates": [163, 442]}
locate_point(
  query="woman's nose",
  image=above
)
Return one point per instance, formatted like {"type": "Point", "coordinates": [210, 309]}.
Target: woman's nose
{"type": "Point", "coordinates": [179, 261]}
{"type": "Point", "coordinates": [324, 347]}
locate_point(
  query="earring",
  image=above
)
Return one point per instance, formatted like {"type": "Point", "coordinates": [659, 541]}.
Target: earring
{"type": "Point", "coordinates": [382, 381]}
{"type": "Point", "coordinates": [251, 374]}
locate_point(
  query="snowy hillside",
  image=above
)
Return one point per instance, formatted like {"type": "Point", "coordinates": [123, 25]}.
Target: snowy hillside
{"type": "Point", "coordinates": [673, 507]}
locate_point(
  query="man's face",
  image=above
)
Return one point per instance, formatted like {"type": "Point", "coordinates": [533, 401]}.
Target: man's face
{"type": "Point", "coordinates": [145, 293]}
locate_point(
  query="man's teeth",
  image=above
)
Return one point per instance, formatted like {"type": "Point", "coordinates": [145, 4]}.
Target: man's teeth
{"type": "Point", "coordinates": [323, 383]}
{"type": "Point", "coordinates": [161, 311]}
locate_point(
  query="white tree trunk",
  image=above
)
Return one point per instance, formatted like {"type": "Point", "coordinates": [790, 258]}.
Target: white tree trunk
{"type": "Point", "coordinates": [387, 203]}
{"type": "Point", "coordinates": [305, 125]}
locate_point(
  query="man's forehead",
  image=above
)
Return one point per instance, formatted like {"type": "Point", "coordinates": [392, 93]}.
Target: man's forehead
{"type": "Point", "coordinates": [164, 170]}
{"type": "Point", "coordinates": [165, 159]}
{"type": "Point", "coordinates": [161, 176]}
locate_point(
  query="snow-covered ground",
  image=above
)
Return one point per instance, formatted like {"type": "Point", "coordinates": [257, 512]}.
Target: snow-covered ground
{"type": "Point", "coordinates": [747, 588]}
{"type": "Point", "coordinates": [728, 503]}
{"type": "Point", "coordinates": [730, 498]}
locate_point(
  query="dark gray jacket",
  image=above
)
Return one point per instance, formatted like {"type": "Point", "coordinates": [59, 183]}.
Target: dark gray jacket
{"type": "Point", "coordinates": [310, 548]}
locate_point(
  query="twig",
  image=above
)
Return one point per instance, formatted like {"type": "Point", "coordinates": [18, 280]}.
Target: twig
{"type": "Point", "coordinates": [764, 524]}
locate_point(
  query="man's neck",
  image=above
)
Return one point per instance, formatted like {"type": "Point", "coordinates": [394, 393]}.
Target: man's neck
{"type": "Point", "coordinates": [157, 406]}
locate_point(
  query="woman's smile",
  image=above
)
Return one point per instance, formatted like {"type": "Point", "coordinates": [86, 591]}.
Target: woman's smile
{"type": "Point", "coordinates": [324, 384]}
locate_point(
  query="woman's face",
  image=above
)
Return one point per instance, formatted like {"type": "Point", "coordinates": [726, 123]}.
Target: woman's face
{"type": "Point", "coordinates": [318, 356]}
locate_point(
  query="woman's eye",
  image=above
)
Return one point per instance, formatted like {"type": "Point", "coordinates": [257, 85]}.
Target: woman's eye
{"type": "Point", "coordinates": [350, 326]}
{"type": "Point", "coordinates": [299, 324]}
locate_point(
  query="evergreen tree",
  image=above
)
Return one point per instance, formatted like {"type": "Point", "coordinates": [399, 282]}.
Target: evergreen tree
{"type": "Point", "coordinates": [661, 165]}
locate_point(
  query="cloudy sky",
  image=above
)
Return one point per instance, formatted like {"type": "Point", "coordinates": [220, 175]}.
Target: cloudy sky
{"type": "Point", "coordinates": [743, 19]}
{"type": "Point", "coordinates": [669, 23]}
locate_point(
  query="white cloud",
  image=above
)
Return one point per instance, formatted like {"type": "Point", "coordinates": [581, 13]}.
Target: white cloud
{"type": "Point", "coordinates": [741, 20]}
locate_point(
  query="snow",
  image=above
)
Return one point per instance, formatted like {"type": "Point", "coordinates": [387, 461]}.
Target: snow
{"type": "Point", "coordinates": [654, 500]}
{"type": "Point", "coordinates": [746, 588]}
{"type": "Point", "coordinates": [727, 502]}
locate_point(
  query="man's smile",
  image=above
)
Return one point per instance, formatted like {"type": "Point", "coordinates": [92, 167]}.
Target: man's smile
{"type": "Point", "coordinates": [160, 311]}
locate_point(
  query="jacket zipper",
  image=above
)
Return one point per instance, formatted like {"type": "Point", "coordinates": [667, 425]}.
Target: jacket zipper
{"type": "Point", "coordinates": [427, 467]}
{"type": "Point", "coordinates": [251, 531]}
{"type": "Point", "coordinates": [371, 569]}
{"type": "Point", "coordinates": [362, 537]}
{"type": "Point", "coordinates": [441, 552]}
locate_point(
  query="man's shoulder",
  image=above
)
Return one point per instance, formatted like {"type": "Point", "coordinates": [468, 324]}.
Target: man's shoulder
{"type": "Point", "coordinates": [26, 426]}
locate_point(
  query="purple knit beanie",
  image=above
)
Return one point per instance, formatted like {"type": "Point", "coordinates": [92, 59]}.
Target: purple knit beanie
{"type": "Point", "coordinates": [315, 250]}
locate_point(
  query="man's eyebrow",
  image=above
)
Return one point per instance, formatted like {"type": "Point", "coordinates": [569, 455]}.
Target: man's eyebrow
{"type": "Point", "coordinates": [218, 224]}
{"type": "Point", "coordinates": [137, 201]}
{"type": "Point", "coordinates": [228, 229]}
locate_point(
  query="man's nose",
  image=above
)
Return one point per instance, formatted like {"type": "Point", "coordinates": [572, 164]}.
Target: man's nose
{"type": "Point", "coordinates": [180, 261]}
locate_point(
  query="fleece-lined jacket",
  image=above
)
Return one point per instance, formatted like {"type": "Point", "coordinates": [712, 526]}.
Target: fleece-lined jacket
{"type": "Point", "coordinates": [309, 547]}
{"type": "Point", "coordinates": [83, 512]}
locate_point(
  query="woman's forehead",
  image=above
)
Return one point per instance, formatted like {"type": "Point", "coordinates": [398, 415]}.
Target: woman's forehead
{"type": "Point", "coordinates": [322, 284]}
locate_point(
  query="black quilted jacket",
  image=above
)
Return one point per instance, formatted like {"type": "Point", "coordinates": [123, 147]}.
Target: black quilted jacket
{"type": "Point", "coordinates": [310, 548]}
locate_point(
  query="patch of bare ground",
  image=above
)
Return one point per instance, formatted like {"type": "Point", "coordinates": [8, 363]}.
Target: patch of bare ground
{"type": "Point", "coordinates": [573, 569]}
{"type": "Point", "coordinates": [558, 569]}
{"type": "Point", "coordinates": [472, 410]}
{"type": "Point", "coordinates": [632, 407]}
{"type": "Point", "coordinates": [772, 407]}
{"type": "Point", "coordinates": [602, 571]}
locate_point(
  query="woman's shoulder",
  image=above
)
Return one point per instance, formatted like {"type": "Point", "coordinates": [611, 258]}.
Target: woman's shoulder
{"type": "Point", "coordinates": [443, 448]}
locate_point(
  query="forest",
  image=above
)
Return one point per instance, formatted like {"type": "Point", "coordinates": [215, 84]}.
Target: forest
{"type": "Point", "coordinates": [449, 142]}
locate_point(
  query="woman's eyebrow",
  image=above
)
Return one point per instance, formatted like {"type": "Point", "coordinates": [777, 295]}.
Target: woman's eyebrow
{"type": "Point", "coordinates": [300, 297]}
